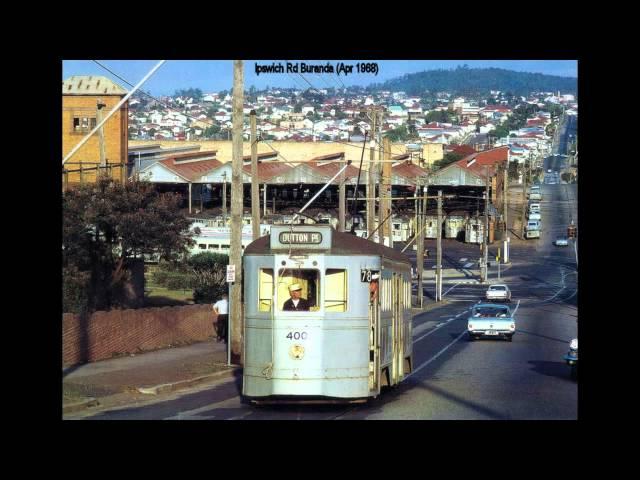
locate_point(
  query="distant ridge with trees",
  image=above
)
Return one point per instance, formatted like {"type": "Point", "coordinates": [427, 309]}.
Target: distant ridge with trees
{"type": "Point", "coordinates": [469, 81]}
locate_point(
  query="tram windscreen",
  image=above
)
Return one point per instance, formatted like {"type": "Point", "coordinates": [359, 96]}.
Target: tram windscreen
{"type": "Point", "coordinates": [307, 283]}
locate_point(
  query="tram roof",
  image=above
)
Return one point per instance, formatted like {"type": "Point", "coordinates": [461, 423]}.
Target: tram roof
{"type": "Point", "coordinates": [341, 244]}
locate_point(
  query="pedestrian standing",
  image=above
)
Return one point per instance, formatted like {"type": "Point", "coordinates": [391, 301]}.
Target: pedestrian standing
{"type": "Point", "coordinates": [221, 309]}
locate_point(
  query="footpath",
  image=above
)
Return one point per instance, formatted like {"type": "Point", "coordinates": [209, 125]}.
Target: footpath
{"type": "Point", "coordinates": [134, 378]}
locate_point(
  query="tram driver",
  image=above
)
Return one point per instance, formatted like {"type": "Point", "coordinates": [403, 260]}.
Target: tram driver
{"type": "Point", "coordinates": [295, 303]}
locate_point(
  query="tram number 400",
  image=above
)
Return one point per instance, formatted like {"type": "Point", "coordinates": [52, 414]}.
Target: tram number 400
{"type": "Point", "coordinates": [297, 335]}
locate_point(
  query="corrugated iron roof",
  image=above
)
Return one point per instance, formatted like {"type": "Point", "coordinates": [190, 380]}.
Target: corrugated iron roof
{"type": "Point", "coordinates": [408, 170]}
{"type": "Point", "coordinates": [268, 170]}
{"type": "Point", "coordinates": [193, 170]}
{"type": "Point", "coordinates": [91, 85]}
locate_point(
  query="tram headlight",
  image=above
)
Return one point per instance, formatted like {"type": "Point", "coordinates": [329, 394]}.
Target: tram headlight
{"type": "Point", "coordinates": [296, 352]}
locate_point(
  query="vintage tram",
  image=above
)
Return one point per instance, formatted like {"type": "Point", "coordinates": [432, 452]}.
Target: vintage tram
{"type": "Point", "coordinates": [353, 338]}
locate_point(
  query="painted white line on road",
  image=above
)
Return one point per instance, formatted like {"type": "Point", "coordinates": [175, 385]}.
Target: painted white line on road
{"type": "Point", "coordinates": [437, 354]}
{"type": "Point", "coordinates": [517, 306]}
{"type": "Point", "coordinates": [450, 289]}
{"type": "Point", "coordinates": [435, 329]}
{"type": "Point", "coordinates": [463, 260]}
{"type": "Point", "coordinates": [468, 265]}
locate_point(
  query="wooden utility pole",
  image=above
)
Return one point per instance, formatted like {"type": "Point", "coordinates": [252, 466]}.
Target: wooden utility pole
{"type": "Point", "coordinates": [255, 187]}
{"type": "Point", "coordinates": [439, 250]}
{"type": "Point", "coordinates": [524, 198]}
{"type": "Point", "coordinates": [342, 203]}
{"type": "Point", "coordinates": [485, 236]}
{"type": "Point", "coordinates": [224, 200]}
{"type": "Point", "coordinates": [505, 201]}
{"type": "Point", "coordinates": [419, 241]}
{"type": "Point", "coordinates": [371, 176]}
{"type": "Point", "coordinates": [235, 257]}
{"type": "Point", "coordinates": [103, 156]}
{"type": "Point", "coordinates": [385, 194]}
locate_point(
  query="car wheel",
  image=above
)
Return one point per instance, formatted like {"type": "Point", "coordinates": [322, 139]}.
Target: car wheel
{"type": "Point", "coordinates": [510, 338]}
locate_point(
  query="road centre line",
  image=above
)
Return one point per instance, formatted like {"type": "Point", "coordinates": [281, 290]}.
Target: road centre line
{"type": "Point", "coordinates": [435, 329]}
{"type": "Point", "coordinates": [437, 354]}
{"type": "Point", "coordinates": [517, 306]}
{"type": "Point", "coordinates": [450, 289]}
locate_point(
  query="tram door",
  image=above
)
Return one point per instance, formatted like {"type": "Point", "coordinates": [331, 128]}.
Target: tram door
{"type": "Point", "coordinates": [374, 341]}
{"type": "Point", "coordinates": [398, 331]}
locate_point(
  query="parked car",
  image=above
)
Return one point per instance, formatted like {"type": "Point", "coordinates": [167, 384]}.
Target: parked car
{"type": "Point", "coordinates": [491, 320]}
{"type": "Point", "coordinates": [535, 196]}
{"type": "Point", "coordinates": [498, 292]}
{"type": "Point", "coordinates": [534, 207]}
{"type": "Point", "coordinates": [534, 215]}
{"type": "Point", "coordinates": [561, 242]}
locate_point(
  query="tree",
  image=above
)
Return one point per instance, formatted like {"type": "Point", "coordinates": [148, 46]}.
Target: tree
{"type": "Point", "coordinates": [398, 134]}
{"type": "Point", "coordinates": [447, 159]}
{"type": "Point", "coordinates": [211, 131]}
{"type": "Point", "coordinates": [107, 229]}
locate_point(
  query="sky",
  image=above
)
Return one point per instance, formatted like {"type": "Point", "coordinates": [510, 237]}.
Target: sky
{"type": "Point", "coordinates": [215, 75]}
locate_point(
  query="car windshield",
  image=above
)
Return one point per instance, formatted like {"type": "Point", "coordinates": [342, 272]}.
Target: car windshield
{"type": "Point", "coordinates": [490, 312]}
{"type": "Point", "coordinates": [498, 287]}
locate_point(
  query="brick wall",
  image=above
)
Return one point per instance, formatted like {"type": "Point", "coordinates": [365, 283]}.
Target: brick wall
{"type": "Point", "coordinates": [105, 334]}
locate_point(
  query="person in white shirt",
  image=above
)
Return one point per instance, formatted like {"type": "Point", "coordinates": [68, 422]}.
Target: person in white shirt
{"type": "Point", "coordinates": [296, 303]}
{"type": "Point", "coordinates": [221, 309]}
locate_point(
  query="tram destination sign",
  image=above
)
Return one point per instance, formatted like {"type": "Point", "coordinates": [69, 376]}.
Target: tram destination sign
{"type": "Point", "coordinates": [300, 238]}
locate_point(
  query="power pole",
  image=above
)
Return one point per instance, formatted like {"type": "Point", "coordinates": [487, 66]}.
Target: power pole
{"type": "Point", "coordinates": [485, 237]}
{"type": "Point", "coordinates": [224, 200]}
{"type": "Point", "coordinates": [439, 250]}
{"type": "Point", "coordinates": [103, 156]}
{"type": "Point", "coordinates": [235, 257]}
{"type": "Point", "coordinates": [419, 241]}
{"type": "Point", "coordinates": [371, 184]}
{"type": "Point", "coordinates": [255, 188]}
{"type": "Point", "coordinates": [385, 197]}
{"type": "Point", "coordinates": [342, 203]}
{"type": "Point", "coordinates": [378, 170]}
{"type": "Point", "coordinates": [505, 205]}
{"type": "Point", "coordinates": [524, 198]}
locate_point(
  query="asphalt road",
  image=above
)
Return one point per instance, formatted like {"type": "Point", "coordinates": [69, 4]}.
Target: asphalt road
{"type": "Point", "coordinates": [453, 378]}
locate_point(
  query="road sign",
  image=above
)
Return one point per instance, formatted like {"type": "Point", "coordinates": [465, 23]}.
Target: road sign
{"type": "Point", "coordinates": [231, 273]}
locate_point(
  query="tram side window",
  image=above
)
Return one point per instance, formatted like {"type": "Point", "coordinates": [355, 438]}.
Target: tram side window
{"type": "Point", "coordinates": [265, 290]}
{"type": "Point", "coordinates": [309, 282]}
{"type": "Point", "coordinates": [335, 290]}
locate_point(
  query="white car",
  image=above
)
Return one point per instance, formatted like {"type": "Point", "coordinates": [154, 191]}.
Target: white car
{"type": "Point", "coordinates": [533, 215]}
{"type": "Point", "coordinates": [498, 292]}
{"type": "Point", "coordinates": [561, 242]}
{"type": "Point", "coordinates": [490, 320]}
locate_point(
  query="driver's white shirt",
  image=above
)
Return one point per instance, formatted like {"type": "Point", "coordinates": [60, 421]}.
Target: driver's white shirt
{"type": "Point", "coordinates": [295, 302]}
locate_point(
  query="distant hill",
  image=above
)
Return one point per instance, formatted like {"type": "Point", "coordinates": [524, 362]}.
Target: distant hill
{"type": "Point", "coordinates": [467, 81]}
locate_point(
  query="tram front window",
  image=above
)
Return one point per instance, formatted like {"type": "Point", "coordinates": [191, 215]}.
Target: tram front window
{"type": "Point", "coordinates": [298, 290]}
{"type": "Point", "coordinates": [335, 291]}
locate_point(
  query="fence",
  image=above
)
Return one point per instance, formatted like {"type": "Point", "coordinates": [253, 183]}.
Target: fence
{"type": "Point", "coordinates": [104, 335]}
{"type": "Point", "coordinates": [88, 172]}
